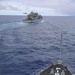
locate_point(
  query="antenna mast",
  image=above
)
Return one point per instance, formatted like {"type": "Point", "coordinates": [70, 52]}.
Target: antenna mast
{"type": "Point", "coordinates": [61, 46]}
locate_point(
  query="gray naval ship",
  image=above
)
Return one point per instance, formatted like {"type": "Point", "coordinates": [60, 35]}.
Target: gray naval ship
{"type": "Point", "coordinates": [57, 68]}
{"type": "Point", "coordinates": [33, 18]}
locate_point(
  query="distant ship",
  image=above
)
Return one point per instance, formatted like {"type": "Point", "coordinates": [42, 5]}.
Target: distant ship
{"type": "Point", "coordinates": [33, 17]}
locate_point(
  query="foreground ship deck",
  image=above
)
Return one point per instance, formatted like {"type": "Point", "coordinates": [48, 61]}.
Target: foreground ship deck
{"type": "Point", "coordinates": [58, 68]}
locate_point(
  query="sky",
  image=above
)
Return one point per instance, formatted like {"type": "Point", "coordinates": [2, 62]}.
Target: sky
{"type": "Point", "coordinates": [44, 7]}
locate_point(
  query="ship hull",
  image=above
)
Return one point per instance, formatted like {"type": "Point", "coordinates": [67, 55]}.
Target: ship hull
{"type": "Point", "coordinates": [32, 21]}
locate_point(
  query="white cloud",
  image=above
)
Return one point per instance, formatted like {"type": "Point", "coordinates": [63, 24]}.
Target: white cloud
{"type": "Point", "coordinates": [10, 12]}
{"type": "Point", "coordinates": [56, 7]}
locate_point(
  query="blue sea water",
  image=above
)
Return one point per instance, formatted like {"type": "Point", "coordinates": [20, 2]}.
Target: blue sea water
{"type": "Point", "coordinates": [26, 48]}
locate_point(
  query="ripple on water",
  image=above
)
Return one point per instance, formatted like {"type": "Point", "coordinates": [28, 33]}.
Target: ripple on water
{"type": "Point", "coordinates": [27, 48]}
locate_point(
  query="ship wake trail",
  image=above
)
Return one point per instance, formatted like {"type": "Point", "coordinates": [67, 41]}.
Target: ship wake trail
{"type": "Point", "coordinates": [12, 25]}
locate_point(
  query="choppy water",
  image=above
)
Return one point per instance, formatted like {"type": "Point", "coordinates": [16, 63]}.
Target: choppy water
{"type": "Point", "coordinates": [27, 48]}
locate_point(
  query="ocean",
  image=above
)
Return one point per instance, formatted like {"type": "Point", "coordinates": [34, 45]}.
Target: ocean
{"type": "Point", "coordinates": [27, 48]}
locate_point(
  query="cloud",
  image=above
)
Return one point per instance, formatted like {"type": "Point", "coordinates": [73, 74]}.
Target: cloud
{"type": "Point", "coordinates": [48, 6]}
{"type": "Point", "coordinates": [2, 7]}
{"type": "Point", "coordinates": [8, 5]}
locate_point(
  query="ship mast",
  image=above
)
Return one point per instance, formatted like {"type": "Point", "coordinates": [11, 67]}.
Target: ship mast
{"type": "Point", "coordinates": [61, 47]}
